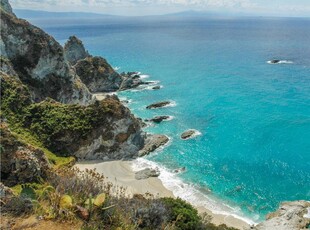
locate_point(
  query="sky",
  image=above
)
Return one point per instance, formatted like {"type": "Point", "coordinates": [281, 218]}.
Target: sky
{"type": "Point", "coordinates": [289, 8]}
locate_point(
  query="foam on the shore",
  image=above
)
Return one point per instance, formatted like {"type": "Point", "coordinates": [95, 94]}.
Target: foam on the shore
{"type": "Point", "coordinates": [189, 192]}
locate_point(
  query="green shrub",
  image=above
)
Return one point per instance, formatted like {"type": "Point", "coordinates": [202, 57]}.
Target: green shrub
{"type": "Point", "coordinates": [183, 214]}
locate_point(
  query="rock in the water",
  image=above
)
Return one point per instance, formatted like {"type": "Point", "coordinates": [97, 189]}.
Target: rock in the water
{"type": "Point", "coordinates": [158, 105]}
{"type": "Point", "coordinates": [290, 216]}
{"type": "Point", "coordinates": [147, 173]}
{"type": "Point", "coordinates": [159, 119]}
{"type": "Point", "coordinates": [179, 170]}
{"type": "Point", "coordinates": [74, 50]}
{"type": "Point", "coordinates": [274, 61]}
{"type": "Point", "coordinates": [152, 143]}
{"type": "Point", "coordinates": [156, 87]}
{"type": "Point", "coordinates": [188, 134]}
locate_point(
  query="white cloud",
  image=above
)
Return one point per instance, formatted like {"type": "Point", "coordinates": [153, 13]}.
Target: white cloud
{"type": "Point", "coordinates": [161, 6]}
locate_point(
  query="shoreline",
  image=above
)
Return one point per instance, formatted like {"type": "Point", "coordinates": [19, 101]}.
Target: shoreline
{"type": "Point", "coordinates": [122, 174]}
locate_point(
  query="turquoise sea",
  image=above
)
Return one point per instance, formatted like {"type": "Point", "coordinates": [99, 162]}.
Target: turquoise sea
{"type": "Point", "coordinates": [254, 117]}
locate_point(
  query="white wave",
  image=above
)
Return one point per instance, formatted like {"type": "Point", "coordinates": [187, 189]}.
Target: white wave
{"type": "Point", "coordinates": [171, 104]}
{"type": "Point", "coordinates": [280, 62]}
{"type": "Point", "coordinates": [170, 118]}
{"type": "Point", "coordinates": [144, 76]}
{"type": "Point", "coordinates": [189, 192]}
{"type": "Point", "coordinates": [116, 68]}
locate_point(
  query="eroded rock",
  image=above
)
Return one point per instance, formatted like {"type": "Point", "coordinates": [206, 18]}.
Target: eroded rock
{"type": "Point", "coordinates": [152, 143]}
{"type": "Point", "coordinates": [289, 216]}
{"type": "Point", "coordinates": [158, 105]}
{"type": "Point", "coordinates": [189, 134]}
{"type": "Point", "coordinates": [147, 173]}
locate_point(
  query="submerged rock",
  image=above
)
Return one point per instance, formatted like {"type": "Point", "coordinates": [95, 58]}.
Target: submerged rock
{"type": "Point", "coordinates": [158, 105]}
{"type": "Point", "coordinates": [147, 173]}
{"type": "Point", "coordinates": [158, 119]}
{"type": "Point", "coordinates": [188, 134]}
{"type": "Point", "coordinates": [156, 87]}
{"type": "Point", "coordinates": [152, 143]}
{"type": "Point", "coordinates": [179, 170]}
{"type": "Point", "coordinates": [290, 216]}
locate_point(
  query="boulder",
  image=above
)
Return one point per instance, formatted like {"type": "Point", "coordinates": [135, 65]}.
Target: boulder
{"type": "Point", "coordinates": [147, 173]}
{"type": "Point", "coordinates": [158, 105]}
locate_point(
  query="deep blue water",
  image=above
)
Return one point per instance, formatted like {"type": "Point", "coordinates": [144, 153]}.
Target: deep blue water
{"type": "Point", "coordinates": [254, 151]}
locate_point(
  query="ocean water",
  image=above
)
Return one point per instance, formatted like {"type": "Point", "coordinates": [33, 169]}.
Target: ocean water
{"type": "Point", "coordinates": [254, 117]}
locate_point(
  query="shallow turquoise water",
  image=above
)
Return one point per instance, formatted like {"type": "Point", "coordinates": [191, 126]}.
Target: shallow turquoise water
{"type": "Point", "coordinates": [254, 117]}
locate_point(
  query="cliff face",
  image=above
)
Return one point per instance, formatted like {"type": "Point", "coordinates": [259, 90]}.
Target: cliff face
{"type": "Point", "coordinates": [103, 130]}
{"type": "Point", "coordinates": [98, 75]}
{"type": "Point", "coordinates": [74, 50]}
{"type": "Point", "coordinates": [38, 60]}
{"type": "Point", "coordinates": [34, 67]}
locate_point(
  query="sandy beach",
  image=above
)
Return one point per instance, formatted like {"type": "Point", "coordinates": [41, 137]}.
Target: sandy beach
{"type": "Point", "coordinates": [120, 173]}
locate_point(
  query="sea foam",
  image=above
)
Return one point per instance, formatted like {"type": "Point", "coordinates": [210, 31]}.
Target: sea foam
{"type": "Point", "coordinates": [190, 192]}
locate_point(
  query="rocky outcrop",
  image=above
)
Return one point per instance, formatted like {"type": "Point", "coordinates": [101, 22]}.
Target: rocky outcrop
{"type": "Point", "coordinates": [156, 87]}
{"type": "Point", "coordinates": [146, 173]}
{"type": "Point", "coordinates": [189, 134]}
{"type": "Point", "coordinates": [74, 50]}
{"type": "Point", "coordinates": [97, 74]}
{"type": "Point", "coordinates": [39, 62]}
{"type": "Point", "coordinates": [103, 130]}
{"type": "Point", "coordinates": [130, 80]}
{"type": "Point", "coordinates": [5, 5]}
{"type": "Point", "coordinates": [20, 162]}
{"type": "Point", "coordinates": [158, 105]}
{"type": "Point", "coordinates": [152, 143]}
{"type": "Point", "coordinates": [290, 216]}
{"type": "Point", "coordinates": [118, 136]}
{"type": "Point", "coordinates": [158, 119]}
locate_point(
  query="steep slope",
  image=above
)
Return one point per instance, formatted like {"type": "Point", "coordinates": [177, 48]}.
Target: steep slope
{"type": "Point", "coordinates": [38, 60]}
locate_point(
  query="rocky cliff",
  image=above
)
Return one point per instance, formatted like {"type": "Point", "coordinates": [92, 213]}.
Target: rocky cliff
{"type": "Point", "coordinates": [44, 99]}
{"type": "Point", "coordinates": [38, 60]}
{"type": "Point", "coordinates": [95, 72]}
{"type": "Point", "coordinates": [74, 50]}
{"type": "Point", "coordinates": [290, 216]}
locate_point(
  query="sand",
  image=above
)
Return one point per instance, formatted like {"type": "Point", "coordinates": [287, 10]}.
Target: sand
{"type": "Point", "coordinates": [120, 173]}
